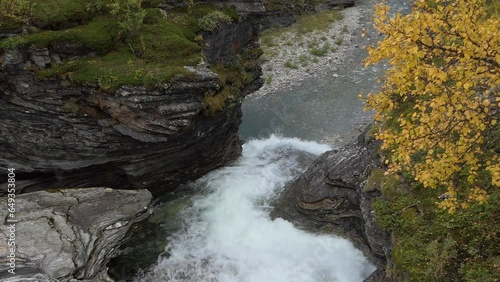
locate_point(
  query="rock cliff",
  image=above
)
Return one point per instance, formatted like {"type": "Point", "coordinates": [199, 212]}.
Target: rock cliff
{"type": "Point", "coordinates": [331, 197]}
{"type": "Point", "coordinates": [58, 134]}
{"type": "Point", "coordinates": [69, 234]}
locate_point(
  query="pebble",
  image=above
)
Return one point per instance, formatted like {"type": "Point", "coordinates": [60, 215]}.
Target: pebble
{"type": "Point", "coordinates": [283, 77]}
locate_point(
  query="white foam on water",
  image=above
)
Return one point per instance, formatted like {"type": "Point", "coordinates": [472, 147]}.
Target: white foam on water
{"type": "Point", "coordinates": [229, 236]}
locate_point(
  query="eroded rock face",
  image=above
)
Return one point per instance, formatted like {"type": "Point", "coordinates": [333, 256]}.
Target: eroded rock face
{"type": "Point", "coordinates": [57, 134]}
{"type": "Point", "coordinates": [70, 234]}
{"type": "Point", "coordinates": [330, 198]}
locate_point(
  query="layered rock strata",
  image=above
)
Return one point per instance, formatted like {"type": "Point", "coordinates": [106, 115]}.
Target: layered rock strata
{"type": "Point", "coordinates": [63, 235]}
{"type": "Point", "coordinates": [330, 197]}
{"type": "Point", "coordinates": [58, 134]}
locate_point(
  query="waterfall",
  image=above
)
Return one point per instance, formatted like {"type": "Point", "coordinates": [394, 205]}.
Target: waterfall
{"type": "Point", "coordinates": [228, 235]}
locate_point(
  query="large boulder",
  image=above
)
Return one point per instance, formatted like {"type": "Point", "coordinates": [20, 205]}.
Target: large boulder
{"type": "Point", "coordinates": [62, 235]}
{"type": "Point", "coordinates": [330, 197]}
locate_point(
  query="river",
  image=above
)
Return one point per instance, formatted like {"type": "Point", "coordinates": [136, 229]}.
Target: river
{"type": "Point", "coordinates": [228, 235]}
{"type": "Point", "coordinates": [218, 229]}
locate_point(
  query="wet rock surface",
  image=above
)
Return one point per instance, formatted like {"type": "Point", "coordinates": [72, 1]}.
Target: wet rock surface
{"type": "Point", "coordinates": [330, 198]}
{"type": "Point", "coordinates": [70, 234]}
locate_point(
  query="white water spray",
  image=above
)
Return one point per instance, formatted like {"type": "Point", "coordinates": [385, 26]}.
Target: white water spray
{"type": "Point", "coordinates": [229, 236]}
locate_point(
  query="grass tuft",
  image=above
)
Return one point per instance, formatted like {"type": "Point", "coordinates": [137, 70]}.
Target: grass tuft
{"type": "Point", "coordinates": [290, 64]}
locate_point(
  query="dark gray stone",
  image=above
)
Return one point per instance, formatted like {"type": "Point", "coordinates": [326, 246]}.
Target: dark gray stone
{"type": "Point", "coordinates": [330, 198]}
{"type": "Point", "coordinates": [58, 134]}
{"type": "Point", "coordinates": [40, 57]}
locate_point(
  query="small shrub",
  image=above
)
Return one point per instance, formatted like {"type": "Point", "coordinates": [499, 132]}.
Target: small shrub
{"type": "Point", "coordinates": [153, 16]}
{"type": "Point", "coordinates": [339, 41]}
{"type": "Point", "coordinates": [14, 13]}
{"type": "Point", "coordinates": [213, 20]}
{"type": "Point", "coordinates": [269, 79]}
{"type": "Point", "coordinates": [130, 16]}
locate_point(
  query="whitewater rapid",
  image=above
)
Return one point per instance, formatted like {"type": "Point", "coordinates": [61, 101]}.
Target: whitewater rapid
{"type": "Point", "coordinates": [229, 237]}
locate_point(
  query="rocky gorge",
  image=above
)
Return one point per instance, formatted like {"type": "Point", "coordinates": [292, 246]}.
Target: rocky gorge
{"type": "Point", "coordinates": [59, 134]}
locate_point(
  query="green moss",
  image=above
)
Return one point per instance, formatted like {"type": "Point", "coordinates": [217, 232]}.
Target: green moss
{"type": "Point", "coordinates": [100, 35]}
{"type": "Point", "coordinates": [116, 69]}
{"type": "Point", "coordinates": [216, 102]}
{"type": "Point", "coordinates": [375, 180]}
{"type": "Point", "coordinates": [157, 54]}
{"type": "Point", "coordinates": [370, 134]}
{"type": "Point", "coordinates": [231, 12]}
{"type": "Point", "coordinates": [153, 16]}
{"type": "Point", "coordinates": [316, 21]}
{"type": "Point", "coordinates": [189, 17]}
{"type": "Point", "coordinates": [166, 42]}
{"type": "Point", "coordinates": [213, 20]}
{"type": "Point", "coordinates": [54, 13]}
{"type": "Point", "coordinates": [233, 78]}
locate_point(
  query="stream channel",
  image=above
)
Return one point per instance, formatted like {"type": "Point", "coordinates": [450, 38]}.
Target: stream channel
{"type": "Point", "coordinates": [218, 227]}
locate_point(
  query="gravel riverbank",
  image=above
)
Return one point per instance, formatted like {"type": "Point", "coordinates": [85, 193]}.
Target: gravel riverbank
{"type": "Point", "coordinates": [294, 57]}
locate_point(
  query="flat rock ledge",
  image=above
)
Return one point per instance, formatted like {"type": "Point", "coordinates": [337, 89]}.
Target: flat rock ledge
{"type": "Point", "coordinates": [70, 234]}
{"type": "Point", "coordinates": [331, 198]}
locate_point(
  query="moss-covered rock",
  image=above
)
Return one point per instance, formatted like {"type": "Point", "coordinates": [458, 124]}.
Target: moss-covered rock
{"type": "Point", "coordinates": [155, 54]}
{"type": "Point", "coordinates": [108, 110]}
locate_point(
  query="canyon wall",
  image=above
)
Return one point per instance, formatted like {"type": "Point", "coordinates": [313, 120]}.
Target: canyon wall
{"type": "Point", "coordinates": [58, 134]}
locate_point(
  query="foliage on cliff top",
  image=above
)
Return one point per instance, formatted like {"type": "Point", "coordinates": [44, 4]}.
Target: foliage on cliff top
{"type": "Point", "coordinates": [213, 20]}
{"type": "Point", "coordinates": [233, 76]}
{"type": "Point", "coordinates": [14, 13]}
{"type": "Point", "coordinates": [440, 104]}
{"type": "Point", "coordinates": [135, 44]}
